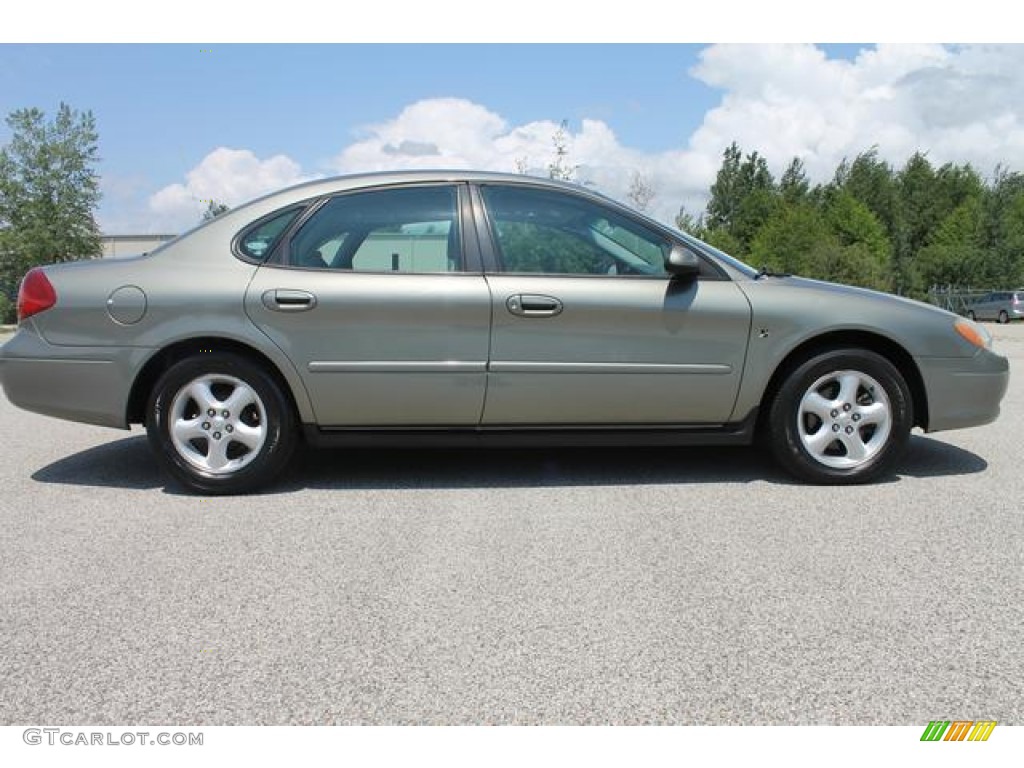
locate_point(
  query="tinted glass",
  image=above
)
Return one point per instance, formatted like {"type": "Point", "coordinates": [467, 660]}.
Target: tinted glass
{"type": "Point", "coordinates": [412, 229]}
{"type": "Point", "coordinates": [542, 231]}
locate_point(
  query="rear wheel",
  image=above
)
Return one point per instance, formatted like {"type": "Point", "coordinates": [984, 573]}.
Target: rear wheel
{"type": "Point", "coordinates": [840, 417]}
{"type": "Point", "coordinates": [1003, 317]}
{"type": "Point", "coordinates": [220, 424]}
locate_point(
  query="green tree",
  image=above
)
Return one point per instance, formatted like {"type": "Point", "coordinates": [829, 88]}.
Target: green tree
{"type": "Point", "coordinates": [872, 182]}
{"type": "Point", "coordinates": [956, 254]}
{"type": "Point", "coordinates": [561, 169]}
{"type": "Point", "coordinates": [49, 190]}
{"type": "Point", "coordinates": [1002, 224]}
{"type": "Point", "coordinates": [687, 222]}
{"type": "Point", "coordinates": [743, 197]}
{"type": "Point", "coordinates": [853, 222]}
{"type": "Point", "coordinates": [726, 192]}
{"type": "Point", "coordinates": [789, 242]}
{"type": "Point", "coordinates": [794, 186]}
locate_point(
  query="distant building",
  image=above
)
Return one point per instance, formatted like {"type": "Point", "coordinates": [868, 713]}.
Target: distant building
{"type": "Point", "coordinates": [117, 246]}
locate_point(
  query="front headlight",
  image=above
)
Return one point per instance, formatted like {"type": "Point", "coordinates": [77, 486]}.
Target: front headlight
{"type": "Point", "coordinates": [974, 333]}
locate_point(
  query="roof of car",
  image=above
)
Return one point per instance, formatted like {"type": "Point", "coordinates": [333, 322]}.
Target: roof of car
{"type": "Point", "coordinates": [317, 187]}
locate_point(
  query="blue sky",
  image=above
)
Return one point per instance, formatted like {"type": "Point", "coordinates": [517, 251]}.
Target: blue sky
{"type": "Point", "coordinates": [181, 123]}
{"type": "Point", "coordinates": [307, 99]}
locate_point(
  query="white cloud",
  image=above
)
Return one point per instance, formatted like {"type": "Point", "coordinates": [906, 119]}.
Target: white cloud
{"type": "Point", "coordinates": [456, 133]}
{"type": "Point", "coordinates": [958, 104]}
{"type": "Point", "coordinates": [230, 176]}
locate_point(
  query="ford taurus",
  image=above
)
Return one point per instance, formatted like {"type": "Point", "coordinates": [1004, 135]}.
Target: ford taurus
{"type": "Point", "coordinates": [444, 308]}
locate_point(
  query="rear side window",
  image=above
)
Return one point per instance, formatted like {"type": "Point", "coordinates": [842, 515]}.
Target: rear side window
{"type": "Point", "coordinates": [258, 241]}
{"type": "Point", "coordinates": [409, 229]}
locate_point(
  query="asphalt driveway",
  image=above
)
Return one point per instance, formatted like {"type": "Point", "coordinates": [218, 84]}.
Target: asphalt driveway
{"type": "Point", "coordinates": [553, 586]}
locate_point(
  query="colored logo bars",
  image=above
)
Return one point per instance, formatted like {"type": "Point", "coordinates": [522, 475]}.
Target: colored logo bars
{"type": "Point", "coordinates": [958, 730]}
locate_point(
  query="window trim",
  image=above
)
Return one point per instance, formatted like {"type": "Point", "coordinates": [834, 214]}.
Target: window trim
{"type": "Point", "coordinates": [471, 260]}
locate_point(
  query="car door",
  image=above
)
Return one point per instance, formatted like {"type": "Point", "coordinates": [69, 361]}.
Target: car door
{"type": "Point", "coordinates": [589, 329]}
{"type": "Point", "coordinates": [382, 310]}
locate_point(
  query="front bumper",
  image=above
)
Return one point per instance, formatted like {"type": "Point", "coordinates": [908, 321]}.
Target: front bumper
{"type": "Point", "coordinates": [86, 384]}
{"type": "Point", "coordinates": [964, 392]}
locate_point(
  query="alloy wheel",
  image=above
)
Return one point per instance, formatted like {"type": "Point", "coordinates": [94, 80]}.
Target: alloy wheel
{"type": "Point", "coordinates": [217, 423]}
{"type": "Point", "coordinates": [844, 419]}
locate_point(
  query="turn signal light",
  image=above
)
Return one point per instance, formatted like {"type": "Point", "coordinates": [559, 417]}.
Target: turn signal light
{"type": "Point", "coordinates": [974, 333]}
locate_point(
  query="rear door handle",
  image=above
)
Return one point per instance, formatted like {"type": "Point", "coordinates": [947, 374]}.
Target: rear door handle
{"type": "Point", "coordinates": [533, 305]}
{"type": "Point", "coordinates": [288, 300]}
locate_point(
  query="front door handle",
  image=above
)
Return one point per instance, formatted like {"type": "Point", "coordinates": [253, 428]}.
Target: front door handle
{"type": "Point", "coordinates": [533, 305]}
{"type": "Point", "coordinates": [288, 300]}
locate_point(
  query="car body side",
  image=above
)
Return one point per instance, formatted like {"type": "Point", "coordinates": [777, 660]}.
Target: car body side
{"type": "Point", "coordinates": [81, 364]}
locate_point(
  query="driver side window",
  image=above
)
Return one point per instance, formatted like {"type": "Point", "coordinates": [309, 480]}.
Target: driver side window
{"type": "Point", "coordinates": [541, 231]}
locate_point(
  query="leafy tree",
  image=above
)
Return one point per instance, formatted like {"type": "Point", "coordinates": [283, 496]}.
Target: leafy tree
{"type": "Point", "coordinates": [794, 186]}
{"type": "Point", "coordinates": [853, 222]}
{"type": "Point", "coordinates": [871, 225]}
{"type": "Point", "coordinates": [788, 242]}
{"type": "Point", "coordinates": [722, 239]}
{"type": "Point", "coordinates": [687, 222]}
{"type": "Point", "coordinates": [214, 208]}
{"type": "Point", "coordinates": [738, 179]}
{"type": "Point", "coordinates": [956, 254]}
{"type": "Point", "coordinates": [872, 182]}
{"type": "Point", "coordinates": [853, 264]}
{"type": "Point", "coordinates": [757, 208]}
{"type": "Point", "coordinates": [560, 168]}
{"type": "Point", "coordinates": [726, 192]}
{"type": "Point", "coordinates": [49, 190]}
{"type": "Point", "coordinates": [641, 192]}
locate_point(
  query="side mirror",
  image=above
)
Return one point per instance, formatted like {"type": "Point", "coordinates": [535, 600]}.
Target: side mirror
{"type": "Point", "coordinates": [682, 263]}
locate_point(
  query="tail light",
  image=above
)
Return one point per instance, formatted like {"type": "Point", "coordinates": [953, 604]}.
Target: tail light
{"type": "Point", "coordinates": [35, 294]}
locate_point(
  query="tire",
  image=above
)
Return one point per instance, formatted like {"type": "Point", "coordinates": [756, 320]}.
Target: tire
{"type": "Point", "coordinates": [244, 439]}
{"type": "Point", "coordinates": [970, 315]}
{"type": "Point", "coordinates": [1003, 317]}
{"type": "Point", "coordinates": [854, 394]}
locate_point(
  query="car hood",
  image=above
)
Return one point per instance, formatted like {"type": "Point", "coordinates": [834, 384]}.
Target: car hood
{"type": "Point", "coordinates": [833, 290]}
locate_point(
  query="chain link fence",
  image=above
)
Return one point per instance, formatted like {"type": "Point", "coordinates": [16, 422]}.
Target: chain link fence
{"type": "Point", "coordinates": [956, 298]}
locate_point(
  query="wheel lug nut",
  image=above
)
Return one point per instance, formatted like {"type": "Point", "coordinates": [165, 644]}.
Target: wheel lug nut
{"type": "Point", "coordinates": [846, 406]}
{"type": "Point", "coordinates": [216, 435]}
{"type": "Point", "coordinates": [211, 412]}
{"type": "Point", "coordinates": [225, 414]}
{"type": "Point", "coordinates": [856, 417]}
{"type": "Point", "coordinates": [834, 413]}
{"type": "Point", "coordinates": [229, 428]}
{"type": "Point", "coordinates": [849, 430]}
{"type": "Point", "coordinates": [835, 427]}
{"type": "Point", "coordinates": [206, 425]}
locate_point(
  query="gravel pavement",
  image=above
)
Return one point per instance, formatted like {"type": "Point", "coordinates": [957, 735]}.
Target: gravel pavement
{"type": "Point", "coordinates": [682, 586]}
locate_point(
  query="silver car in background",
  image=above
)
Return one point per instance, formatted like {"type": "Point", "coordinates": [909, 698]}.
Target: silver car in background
{"type": "Point", "coordinates": [1001, 306]}
{"type": "Point", "coordinates": [451, 308]}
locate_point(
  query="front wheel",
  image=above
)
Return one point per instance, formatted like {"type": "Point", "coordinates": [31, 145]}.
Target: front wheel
{"type": "Point", "coordinates": [971, 316]}
{"type": "Point", "coordinates": [840, 417]}
{"type": "Point", "coordinates": [220, 424]}
{"type": "Point", "coordinates": [1003, 317]}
